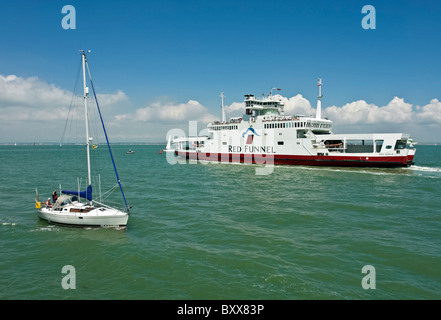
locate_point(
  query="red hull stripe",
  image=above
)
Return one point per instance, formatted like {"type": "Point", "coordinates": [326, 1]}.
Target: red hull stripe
{"type": "Point", "coordinates": [339, 161]}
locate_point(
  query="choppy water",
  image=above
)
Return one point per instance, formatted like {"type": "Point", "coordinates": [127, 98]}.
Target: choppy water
{"type": "Point", "coordinates": [219, 231]}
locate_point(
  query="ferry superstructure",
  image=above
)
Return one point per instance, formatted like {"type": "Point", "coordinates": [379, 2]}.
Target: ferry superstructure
{"type": "Point", "coordinates": [264, 134]}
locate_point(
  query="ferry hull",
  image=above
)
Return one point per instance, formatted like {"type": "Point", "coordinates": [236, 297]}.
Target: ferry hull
{"type": "Point", "coordinates": [331, 161]}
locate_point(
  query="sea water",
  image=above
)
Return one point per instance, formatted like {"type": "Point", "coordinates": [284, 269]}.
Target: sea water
{"type": "Point", "coordinates": [219, 231]}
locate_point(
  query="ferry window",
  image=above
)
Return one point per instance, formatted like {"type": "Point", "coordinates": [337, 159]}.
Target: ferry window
{"type": "Point", "coordinates": [280, 143]}
{"type": "Point", "coordinates": [301, 134]}
{"type": "Point", "coordinates": [378, 145]}
{"type": "Point", "coordinates": [400, 144]}
{"type": "Point", "coordinates": [388, 147]}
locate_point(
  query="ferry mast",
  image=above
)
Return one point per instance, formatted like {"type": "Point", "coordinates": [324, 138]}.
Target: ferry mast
{"type": "Point", "coordinates": [224, 117]}
{"type": "Point", "coordinates": [318, 114]}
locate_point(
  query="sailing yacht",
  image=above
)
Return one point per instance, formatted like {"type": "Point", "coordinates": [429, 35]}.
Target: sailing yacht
{"type": "Point", "coordinates": [78, 208]}
{"type": "Point", "coordinates": [168, 148]}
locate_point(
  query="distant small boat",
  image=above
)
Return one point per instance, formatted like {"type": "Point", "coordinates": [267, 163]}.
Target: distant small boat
{"type": "Point", "coordinates": [168, 147]}
{"type": "Point", "coordinates": [130, 151]}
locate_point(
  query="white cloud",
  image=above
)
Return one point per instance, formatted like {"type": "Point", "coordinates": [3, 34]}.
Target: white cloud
{"type": "Point", "coordinates": [23, 99]}
{"type": "Point", "coordinates": [296, 105]}
{"type": "Point", "coordinates": [235, 109]}
{"type": "Point", "coordinates": [430, 113]}
{"type": "Point", "coordinates": [111, 99]}
{"type": "Point", "coordinates": [396, 111]}
{"type": "Point", "coordinates": [18, 91]}
{"type": "Point", "coordinates": [170, 112]}
{"type": "Point", "coordinates": [350, 113]}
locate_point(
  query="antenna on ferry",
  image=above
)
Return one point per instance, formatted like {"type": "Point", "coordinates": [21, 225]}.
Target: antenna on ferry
{"type": "Point", "coordinates": [271, 91]}
{"type": "Point", "coordinates": [224, 117]}
{"type": "Point", "coordinates": [318, 114]}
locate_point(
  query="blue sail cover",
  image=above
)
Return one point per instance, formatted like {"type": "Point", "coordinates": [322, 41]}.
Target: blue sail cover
{"type": "Point", "coordinates": [87, 194]}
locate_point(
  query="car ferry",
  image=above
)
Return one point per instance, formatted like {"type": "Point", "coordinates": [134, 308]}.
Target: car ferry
{"type": "Point", "coordinates": [264, 134]}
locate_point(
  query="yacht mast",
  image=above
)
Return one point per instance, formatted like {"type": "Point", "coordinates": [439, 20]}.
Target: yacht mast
{"type": "Point", "coordinates": [86, 92]}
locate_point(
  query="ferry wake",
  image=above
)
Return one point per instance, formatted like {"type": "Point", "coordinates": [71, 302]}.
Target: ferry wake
{"type": "Point", "coordinates": [264, 134]}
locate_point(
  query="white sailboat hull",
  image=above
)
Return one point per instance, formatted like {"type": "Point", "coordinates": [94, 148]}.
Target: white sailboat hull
{"type": "Point", "coordinates": [98, 217]}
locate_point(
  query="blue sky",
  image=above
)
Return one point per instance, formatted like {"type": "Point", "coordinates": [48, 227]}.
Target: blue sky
{"type": "Point", "coordinates": [156, 56]}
